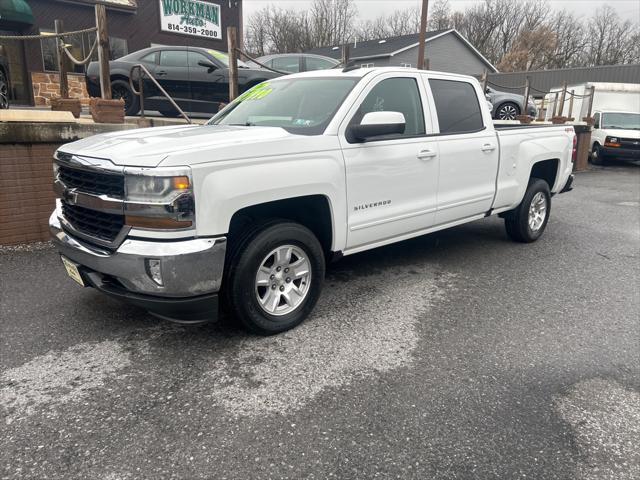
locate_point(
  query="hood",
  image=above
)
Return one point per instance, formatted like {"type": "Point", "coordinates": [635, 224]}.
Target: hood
{"type": "Point", "coordinates": [622, 133]}
{"type": "Point", "coordinates": [148, 147]}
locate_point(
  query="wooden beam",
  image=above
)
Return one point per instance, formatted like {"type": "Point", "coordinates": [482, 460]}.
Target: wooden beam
{"type": "Point", "coordinates": [62, 63]}
{"type": "Point", "coordinates": [103, 51]}
{"type": "Point", "coordinates": [233, 62]}
{"type": "Point", "coordinates": [423, 34]}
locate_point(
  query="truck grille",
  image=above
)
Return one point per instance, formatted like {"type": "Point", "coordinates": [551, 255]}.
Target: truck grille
{"type": "Point", "coordinates": [104, 226]}
{"type": "Point", "coordinates": [630, 143]}
{"type": "Point", "coordinates": [91, 181]}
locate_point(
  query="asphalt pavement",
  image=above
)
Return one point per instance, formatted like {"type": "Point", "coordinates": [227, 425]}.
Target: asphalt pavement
{"type": "Point", "coordinates": [458, 355]}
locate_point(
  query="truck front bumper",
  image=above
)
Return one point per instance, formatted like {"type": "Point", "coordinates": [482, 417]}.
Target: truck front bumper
{"type": "Point", "coordinates": [191, 272]}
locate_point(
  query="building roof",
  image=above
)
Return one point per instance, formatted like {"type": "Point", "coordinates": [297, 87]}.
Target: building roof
{"type": "Point", "coordinates": [545, 80]}
{"type": "Point", "coordinates": [388, 47]}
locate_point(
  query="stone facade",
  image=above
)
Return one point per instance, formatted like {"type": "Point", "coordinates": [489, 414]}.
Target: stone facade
{"type": "Point", "coordinates": [47, 86]}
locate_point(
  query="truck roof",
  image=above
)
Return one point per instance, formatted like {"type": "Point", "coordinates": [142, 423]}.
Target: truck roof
{"type": "Point", "coordinates": [361, 72]}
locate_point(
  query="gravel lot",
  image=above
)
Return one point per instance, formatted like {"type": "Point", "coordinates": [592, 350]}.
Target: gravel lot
{"type": "Point", "coordinates": [459, 355]}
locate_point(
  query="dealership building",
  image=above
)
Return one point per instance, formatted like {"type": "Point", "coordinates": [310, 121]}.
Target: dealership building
{"type": "Point", "coordinates": [132, 25]}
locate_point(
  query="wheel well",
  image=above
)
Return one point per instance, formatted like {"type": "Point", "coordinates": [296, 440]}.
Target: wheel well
{"type": "Point", "coordinates": [312, 211]}
{"type": "Point", "coordinates": [119, 77]}
{"type": "Point", "coordinates": [546, 170]}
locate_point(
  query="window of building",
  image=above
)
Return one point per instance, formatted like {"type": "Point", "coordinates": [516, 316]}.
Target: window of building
{"type": "Point", "coordinates": [405, 65]}
{"type": "Point", "coordinates": [395, 95]}
{"type": "Point", "coordinates": [457, 106]}
{"type": "Point", "coordinates": [367, 65]}
{"type": "Point", "coordinates": [79, 46]}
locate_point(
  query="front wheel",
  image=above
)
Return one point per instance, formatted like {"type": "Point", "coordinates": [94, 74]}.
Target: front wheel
{"type": "Point", "coordinates": [274, 277]}
{"type": "Point", "coordinates": [527, 221]}
{"type": "Point", "coordinates": [4, 91]}
{"type": "Point", "coordinates": [597, 157]}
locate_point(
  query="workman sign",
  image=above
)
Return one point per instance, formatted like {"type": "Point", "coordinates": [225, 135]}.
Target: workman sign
{"type": "Point", "coordinates": [190, 17]}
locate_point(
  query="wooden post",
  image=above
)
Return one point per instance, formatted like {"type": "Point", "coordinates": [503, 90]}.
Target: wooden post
{"type": "Point", "coordinates": [103, 51]}
{"type": "Point", "coordinates": [555, 105]}
{"type": "Point", "coordinates": [233, 63]}
{"type": "Point", "coordinates": [570, 114]}
{"type": "Point", "coordinates": [526, 96]}
{"type": "Point", "coordinates": [541, 111]}
{"type": "Point", "coordinates": [562, 98]}
{"type": "Point", "coordinates": [62, 64]}
{"type": "Point", "coordinates": [423, 34]}
{"type": "Point", "coordinates": [345, 55]}
{"type": "Point", "coordinates": [426, 64]}
{"type": "Point", "coordinates": [483, 80]}
{"type": "Point", "coordinates": [593, 92]}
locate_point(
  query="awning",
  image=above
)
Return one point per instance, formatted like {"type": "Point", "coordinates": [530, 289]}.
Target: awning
{"type": "Point", "coordinates": [16, 11]}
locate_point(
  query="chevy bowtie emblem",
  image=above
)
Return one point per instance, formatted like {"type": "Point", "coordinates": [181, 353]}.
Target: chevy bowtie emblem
{"type": "Point", "coordinates": [70, 196]}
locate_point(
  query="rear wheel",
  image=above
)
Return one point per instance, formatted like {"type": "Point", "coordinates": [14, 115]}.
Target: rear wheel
{"type": "Point", "coordinates": [508, 111]}
{"type": "Point", "coordinates": [274, 277]}
{"type": "Point", "coordinates": [121, 90]}
{"type": "Point", "coordinates": [527, 221]}
{"type": "Point", "coordinates": [4, 91]}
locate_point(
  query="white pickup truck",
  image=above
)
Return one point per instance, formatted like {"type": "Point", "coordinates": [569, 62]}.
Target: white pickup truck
{"type": "Point", "coordinates": [246, 210]}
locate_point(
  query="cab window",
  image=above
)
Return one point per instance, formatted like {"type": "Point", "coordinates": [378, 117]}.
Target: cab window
{"type": "Point", "coordinates": [395, 95]}
{"type": "Point", "coordinates": [457, 106]}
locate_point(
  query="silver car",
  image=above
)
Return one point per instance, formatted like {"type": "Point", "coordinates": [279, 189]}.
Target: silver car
{"type": "Point", "coordinates": [296, 62]}
{"type": "Point", "coordinates": [507, 106]}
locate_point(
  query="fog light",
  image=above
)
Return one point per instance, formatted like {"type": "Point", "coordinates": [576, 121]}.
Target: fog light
{"type": "Point", "coordinates": [154, 271]}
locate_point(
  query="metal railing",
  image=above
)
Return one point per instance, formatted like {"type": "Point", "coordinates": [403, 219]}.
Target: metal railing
{"type": "Point", "coordinates": [140, 93]}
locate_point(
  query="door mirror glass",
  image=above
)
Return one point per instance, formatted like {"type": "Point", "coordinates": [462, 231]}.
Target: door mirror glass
{"type": "Point", "coordinates": [377, 124]}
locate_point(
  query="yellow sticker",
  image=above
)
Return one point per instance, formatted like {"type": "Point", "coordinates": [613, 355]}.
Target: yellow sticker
{"type": "Point", "coordinates": [219, 55]}
{"type": "Point", "coordinates": [256, 93]}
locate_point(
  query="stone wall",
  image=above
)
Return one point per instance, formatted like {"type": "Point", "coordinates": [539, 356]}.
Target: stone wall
{"type": "Point", "coordinates": [47, 86]}
{"type": "Point", "coordinates": [26, 193]}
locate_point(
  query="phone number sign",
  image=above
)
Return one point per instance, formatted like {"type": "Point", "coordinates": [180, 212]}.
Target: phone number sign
{"type": "Point", "coordinates": [190, 17]}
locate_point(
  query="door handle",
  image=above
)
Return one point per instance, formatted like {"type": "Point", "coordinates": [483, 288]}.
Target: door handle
{"type": "Point", "coordinates": [426, 154]}
{"type": "Point", "coordinates": [488, 147]}
{"type": "Point", "coordinates": [161, 73]}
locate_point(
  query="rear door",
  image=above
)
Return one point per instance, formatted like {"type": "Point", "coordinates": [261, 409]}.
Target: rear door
{"type": "Point", "coordinates": [391, 181]}
{"type": "Point", "coordinates": [468, 149]}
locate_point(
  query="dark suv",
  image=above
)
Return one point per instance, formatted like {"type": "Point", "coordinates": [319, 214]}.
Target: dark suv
{"type": "Point", "coordinates": [4, 80]}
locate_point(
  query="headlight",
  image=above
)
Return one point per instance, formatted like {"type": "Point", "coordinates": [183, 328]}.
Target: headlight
{"type": "Point", "coordinates": [144, 188]}
{"type": "Point", "coordinates": [613, 139]}
{"type": "Point", "coordinates": [157, 199]}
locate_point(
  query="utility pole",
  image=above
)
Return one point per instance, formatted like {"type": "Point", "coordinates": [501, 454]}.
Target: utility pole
{"type": "Point", "coordinates": [423, 34]}
{"type": "Point", "coordinates": [62, 64]}
{"type": "Point", "coordinates": [345, 55]}
{"type": "Point", "coordinates": [103, 51]}
{"type": "Point", "coordinates": [233, 63]}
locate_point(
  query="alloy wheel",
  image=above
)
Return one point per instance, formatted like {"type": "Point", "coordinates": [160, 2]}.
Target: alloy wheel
{"type": "Point", "coordinates": [283, 280]}
{"type": "Point", "coordinates": [537, 211]}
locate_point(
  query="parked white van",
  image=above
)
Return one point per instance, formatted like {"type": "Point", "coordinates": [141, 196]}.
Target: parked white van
{"type": "Point", "coordinates": [616, 110]}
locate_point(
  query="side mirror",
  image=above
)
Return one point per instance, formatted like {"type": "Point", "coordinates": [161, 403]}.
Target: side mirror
{"type": "Point", "coordinates": [376, 124]}
{"type": "Point", "coordinates": [210, 66]}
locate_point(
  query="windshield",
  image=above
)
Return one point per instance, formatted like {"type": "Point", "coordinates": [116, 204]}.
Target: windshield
{"type": "Point", "coordinates": [624, 121]}
{"type": "Point", "coordinates": [299, 105]}
{"type": "Point", "coordinates": [224, 58]}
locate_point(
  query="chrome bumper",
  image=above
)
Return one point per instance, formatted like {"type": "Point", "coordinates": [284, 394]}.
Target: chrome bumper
{"type": "Point", "coordinates": [189, 267]}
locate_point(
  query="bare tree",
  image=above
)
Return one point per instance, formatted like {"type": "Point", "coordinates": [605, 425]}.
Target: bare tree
{"type": "Point", "coordinates": [332, 21]}
{"type": "Point", "coordinates": [532, 50]}
{"type": "Point", "coordinates": [439, 15]}
{"type": "Point", "coordinates": [609, 38]}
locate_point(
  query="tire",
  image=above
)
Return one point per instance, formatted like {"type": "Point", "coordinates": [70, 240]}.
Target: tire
{"type": "Point", "coordinates": [508, 111]}
{"type": "Point", "coordinates": [520, 225]}
{"type": "Point", "coordinates": [261, 287]}
{"type": "Point", "coordinates": [121, 89]}
{"type": "Point", "coordinates": [4, 91]}
{"type": "Point", "coordinates": [173, 113]}
{"type": "Point", "coordinates": [597, 157]}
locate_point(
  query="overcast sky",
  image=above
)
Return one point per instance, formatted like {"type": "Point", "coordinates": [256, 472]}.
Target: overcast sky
{"type": "Point", "coordinates": [369, 9]}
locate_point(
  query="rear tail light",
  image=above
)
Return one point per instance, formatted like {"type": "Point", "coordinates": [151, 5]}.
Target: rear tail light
{"type": "Point", "coordinates": [574, 152]}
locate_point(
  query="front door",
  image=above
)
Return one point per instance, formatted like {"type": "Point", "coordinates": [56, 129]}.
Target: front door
{"type": "Point", "coordinates": [469, 151]}
{"type": "Point", "coordinates": [173, 74]}
{"type": "Point", "coordinates": [391, 181]}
